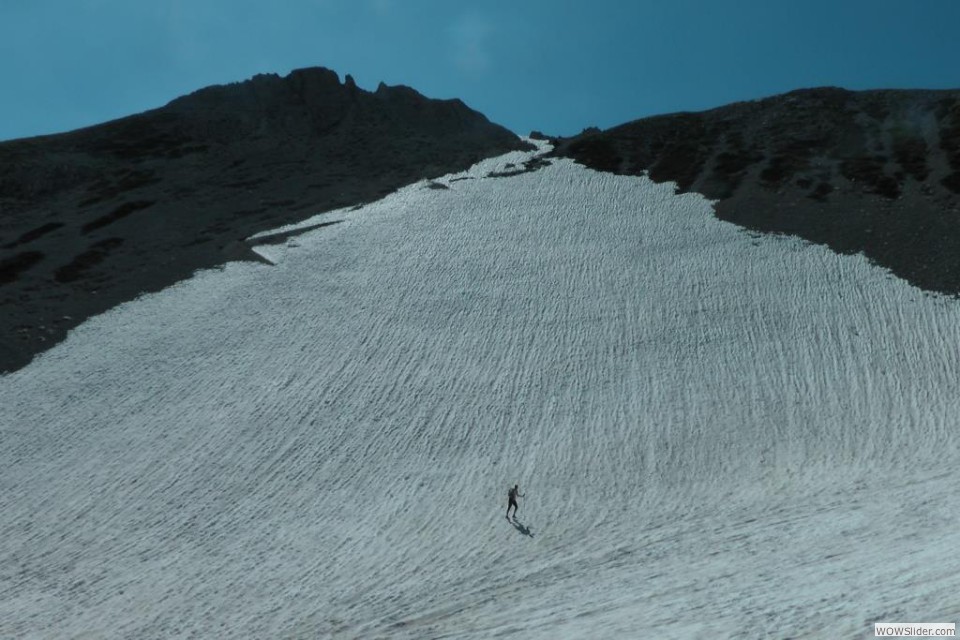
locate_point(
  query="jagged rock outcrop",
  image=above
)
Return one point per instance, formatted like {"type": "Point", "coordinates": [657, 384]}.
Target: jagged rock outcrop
{"type": "Point", "coordinates": [97, 216]}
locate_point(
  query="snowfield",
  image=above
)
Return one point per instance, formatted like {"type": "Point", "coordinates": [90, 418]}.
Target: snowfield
{"type": "Point", "coordinates": [718, 435]}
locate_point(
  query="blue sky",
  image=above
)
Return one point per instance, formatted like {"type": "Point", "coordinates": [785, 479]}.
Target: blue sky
{"type": "Point", "coordinates": [553, 65]}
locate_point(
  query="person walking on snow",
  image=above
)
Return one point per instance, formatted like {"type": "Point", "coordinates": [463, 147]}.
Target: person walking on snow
{"type": "Point", "coordinates": [512, 495]}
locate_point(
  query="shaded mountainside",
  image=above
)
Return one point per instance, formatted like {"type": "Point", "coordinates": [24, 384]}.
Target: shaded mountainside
{"type": "Point", "coordinates": [95, 217]}
{"type": "Point", "coordinates": [876, 172]}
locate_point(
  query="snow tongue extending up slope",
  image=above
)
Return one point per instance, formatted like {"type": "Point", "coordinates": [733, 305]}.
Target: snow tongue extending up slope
{"type": "Point", "coordinates": [718, 435]}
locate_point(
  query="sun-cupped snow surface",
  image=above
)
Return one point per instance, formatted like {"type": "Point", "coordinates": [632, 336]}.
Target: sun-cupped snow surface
{"type": "Point", "coordinates": [717, 435]}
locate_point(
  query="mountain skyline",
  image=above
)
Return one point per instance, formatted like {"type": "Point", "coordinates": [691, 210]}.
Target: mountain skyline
{"type": "Point", "coordinates": [270, 355]}
{"type": "Point", "coordinates": [89, 218]}
{"type": "Point", "coordinates": [276, 338]}
{"type": "Point", "coordinates": [557, 67]}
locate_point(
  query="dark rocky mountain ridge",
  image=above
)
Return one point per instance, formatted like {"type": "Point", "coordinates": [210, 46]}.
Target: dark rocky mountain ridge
{"type": "Point", "coordinates": [876, 172]}
{"type": "Point", "coordinates": [95, 217]}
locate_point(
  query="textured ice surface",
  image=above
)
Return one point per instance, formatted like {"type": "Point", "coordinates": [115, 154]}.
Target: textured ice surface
{"type": "Point", "coordinates": [718, 435]}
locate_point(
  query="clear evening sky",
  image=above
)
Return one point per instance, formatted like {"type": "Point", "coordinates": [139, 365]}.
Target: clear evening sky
{"type": "Point", "coordinates": [553, 65]}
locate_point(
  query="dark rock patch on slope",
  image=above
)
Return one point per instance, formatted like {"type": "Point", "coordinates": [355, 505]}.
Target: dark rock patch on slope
{"type": "Point", "coordinates": [876, 172]}
{"type": "Point", "coordinates": [534, 164]}
{"type": "Point", "coordinates": [95, 217]}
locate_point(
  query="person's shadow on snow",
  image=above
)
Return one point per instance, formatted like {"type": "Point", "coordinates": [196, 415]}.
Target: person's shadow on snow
{"type": "Point", "coordinates": [522, 528]}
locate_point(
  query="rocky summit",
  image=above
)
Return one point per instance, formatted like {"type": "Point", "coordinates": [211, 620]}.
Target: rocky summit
{"type": "Point", "coordinates": [98, 216]}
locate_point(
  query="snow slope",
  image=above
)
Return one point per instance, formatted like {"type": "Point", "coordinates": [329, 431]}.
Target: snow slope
{"type": "Point", "coordinates": [718, 435]}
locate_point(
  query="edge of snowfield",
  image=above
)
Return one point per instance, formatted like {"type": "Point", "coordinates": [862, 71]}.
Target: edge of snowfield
{"type": "Point", "coordinates": [718, 435]}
